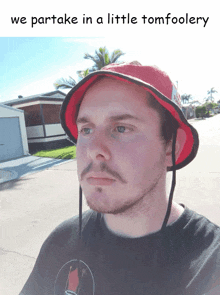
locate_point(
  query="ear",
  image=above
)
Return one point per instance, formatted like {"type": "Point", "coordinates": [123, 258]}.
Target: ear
{"type": "Point", "coordinates": [169, 161]}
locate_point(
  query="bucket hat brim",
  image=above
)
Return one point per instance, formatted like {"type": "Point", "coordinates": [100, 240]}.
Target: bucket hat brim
{"type": "Point", "coordinates": [187, 135]}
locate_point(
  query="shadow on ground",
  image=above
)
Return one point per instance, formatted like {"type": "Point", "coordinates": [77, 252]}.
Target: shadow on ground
{"type": "Point", "coordinates": [12, 184]}
{"type": "Point", "coordinates": [14, 169]}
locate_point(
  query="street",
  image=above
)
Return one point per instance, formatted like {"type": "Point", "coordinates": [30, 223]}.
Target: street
{"type": "Point", "coordinates": [32, 206]}
{"type": "Point", "coordinates": [198, 184]}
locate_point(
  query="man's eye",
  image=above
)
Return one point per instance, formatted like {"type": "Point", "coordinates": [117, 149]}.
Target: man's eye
{"type": "Point", "coordinates": [121, 129]}
{"type": "Point", "coordinates": [86, 131]}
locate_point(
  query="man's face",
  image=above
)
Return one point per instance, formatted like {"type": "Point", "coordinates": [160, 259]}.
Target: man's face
{"type": "Point", "coordinates": [121, 158]}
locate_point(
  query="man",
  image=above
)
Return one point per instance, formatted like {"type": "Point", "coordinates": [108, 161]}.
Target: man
{"type": "Point", "coordinates": [130, 130]}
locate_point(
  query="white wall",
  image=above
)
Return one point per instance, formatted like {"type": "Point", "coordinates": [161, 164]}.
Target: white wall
{"type": "Point", "coordinates": [54, 129]}
{"type": "Point", "coordinates": [51, 130]}
{"type": "Point", "coordinates": [47, 139]}
{"type": "Point", "coordinates": [9, 112]}
{"type": "Point", "coordinates": [35, 131]}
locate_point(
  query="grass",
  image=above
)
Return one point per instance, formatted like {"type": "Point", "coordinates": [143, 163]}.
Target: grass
{"type": "Point", "coordinates": [63, 153]}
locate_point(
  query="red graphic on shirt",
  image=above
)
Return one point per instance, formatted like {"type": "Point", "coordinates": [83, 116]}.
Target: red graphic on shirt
{"type": "Point", "coordinates": [73, 280]}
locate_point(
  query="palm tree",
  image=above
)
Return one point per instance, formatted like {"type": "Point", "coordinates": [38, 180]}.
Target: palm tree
{"type": "Point", "coordinates": [103, 58]}
{"type": "Point", "coordinates": [83, 74]}
{"type": "Point", "coordinates": [186, 97]}
{"type": "Point", "coordinates": [209, 92]}
{"type": "Point", "coordinates": [63, 83]}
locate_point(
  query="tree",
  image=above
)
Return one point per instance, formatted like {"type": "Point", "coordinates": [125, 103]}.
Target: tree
{"type": "Point", "coordinates": [63, 83]}
{"type": "Point", "coordinates": [83, 74]}
{"type": "Point", "coordinates": [186, 98]}
{"type": "Point", "coordinates": [201, 111]}
{"type": "Point", "coordinates": [103, 58]}
{"type": "Point", "coordinates": [210, 92]}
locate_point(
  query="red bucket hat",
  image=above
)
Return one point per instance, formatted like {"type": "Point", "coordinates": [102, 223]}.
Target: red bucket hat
{"type": "Point", "coordinates": [154, 81]}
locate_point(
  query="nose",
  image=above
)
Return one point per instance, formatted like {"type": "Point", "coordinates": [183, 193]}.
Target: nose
{"type": "Point", "coordinates": [97, 149]}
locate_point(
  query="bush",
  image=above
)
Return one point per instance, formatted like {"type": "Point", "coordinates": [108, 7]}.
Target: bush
{"type": "Point", "coordinates": [201, 112]}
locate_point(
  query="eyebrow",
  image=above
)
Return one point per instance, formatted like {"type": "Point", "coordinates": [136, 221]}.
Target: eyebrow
{"type": "Point", "coordinates": [123, 117]}
{"type": "Point", "coordinates": [82, 120]}
{"type": "Point", "coordinates": [112, 118]}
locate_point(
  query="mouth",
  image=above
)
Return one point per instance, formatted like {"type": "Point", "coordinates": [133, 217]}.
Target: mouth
{"type": "Point", "coordinates": [100, 181]}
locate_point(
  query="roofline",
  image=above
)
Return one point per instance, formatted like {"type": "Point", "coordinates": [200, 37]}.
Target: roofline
{"type": "Point", "coordinates": [42, 96]}
{"type": "Point", "coordinates": [21, 101]}
{"type": "Point", "coordinates": [8, 107]}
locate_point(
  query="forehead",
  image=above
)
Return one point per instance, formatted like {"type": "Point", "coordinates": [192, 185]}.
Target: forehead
{"type": "Point", "coordinates": [111, 95]}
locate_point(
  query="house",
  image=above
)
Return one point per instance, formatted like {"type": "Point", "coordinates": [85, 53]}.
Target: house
{"type": "Point", "coordinates": [13, 136]}
{"type": "Point", "coordinates": [216, 110]}
{"type": "Point", "coordinates": [189, 109]}
{"type": "Point", "coordinates": [42, 119]}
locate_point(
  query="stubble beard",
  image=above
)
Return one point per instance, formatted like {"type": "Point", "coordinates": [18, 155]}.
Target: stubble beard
{"type": "Point", "coordinates": [128, 207]}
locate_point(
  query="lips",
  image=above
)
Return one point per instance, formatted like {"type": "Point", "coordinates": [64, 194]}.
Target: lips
{"type": "Point", "coordinates": [99, 179]}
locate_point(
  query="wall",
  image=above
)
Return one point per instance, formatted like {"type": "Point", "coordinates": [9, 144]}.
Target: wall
{"type": "Point", "coordinates": [9, 112]}
{"type": "Point", "coordinates": [44, 130]}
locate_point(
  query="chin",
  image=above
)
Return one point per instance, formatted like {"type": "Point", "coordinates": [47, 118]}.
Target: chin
{"type": "Point", "coordinates": [102, 205]}
{"type": "Point", "coordinates": [98, 203]}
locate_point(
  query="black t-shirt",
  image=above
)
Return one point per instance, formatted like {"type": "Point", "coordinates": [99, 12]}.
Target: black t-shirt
{"type": "Point", "coordinates": [184, 259]}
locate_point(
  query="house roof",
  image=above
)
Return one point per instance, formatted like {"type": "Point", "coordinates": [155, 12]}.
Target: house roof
{"type": "Point", "coordinates": [10, 108]}
{"type": "Point", "coordinates": [56, 95]}
{"type": "Point", "coordinates": [191, 104]}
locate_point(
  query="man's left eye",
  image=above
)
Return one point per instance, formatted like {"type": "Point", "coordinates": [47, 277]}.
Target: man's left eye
{"type": "Point", "coordinates": [121, 129]}
{"type": "Point", "coordinates": [86, 131]}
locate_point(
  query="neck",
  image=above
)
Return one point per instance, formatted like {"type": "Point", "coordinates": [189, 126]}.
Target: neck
{"type": "Point", "coordinates": [142, 221]}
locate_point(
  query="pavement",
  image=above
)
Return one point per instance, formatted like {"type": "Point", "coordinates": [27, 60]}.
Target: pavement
{"type": "Point", "coordinates": [31, 207]}
{"type": "Point", "coordinates": [16, 168]}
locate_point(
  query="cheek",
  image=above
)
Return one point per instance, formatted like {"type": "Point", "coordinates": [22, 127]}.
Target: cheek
{"type": "Point", "coordinates": [81, 157]}
{"type": "Point", "coordinates": [139, 158]}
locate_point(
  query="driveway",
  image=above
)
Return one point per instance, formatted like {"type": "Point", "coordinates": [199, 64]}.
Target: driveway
{"type": "Point", "coordinates": [14, 169]}
{"type": "Point", "coordinates": [31, 207]}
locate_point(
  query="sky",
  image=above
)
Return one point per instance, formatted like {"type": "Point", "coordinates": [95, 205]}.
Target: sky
{"type": "Point", "coordinates": [32, 59]}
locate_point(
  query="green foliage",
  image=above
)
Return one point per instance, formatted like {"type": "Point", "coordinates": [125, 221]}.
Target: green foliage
{"type": "Point", "coordinates": [201, 112]}
{"type": "Point", "coordinates": [102, 58]}
{"type": "Point", "coordinates": [63, 83]}
{"type": "Point", "coordinates": [210, 105]}
{"type": "Point", "coordinates": [186, 98]}
{"type": "Point", "coordinates": [83, 74]}
{"type": "Point", "coordinates": [63, 153]}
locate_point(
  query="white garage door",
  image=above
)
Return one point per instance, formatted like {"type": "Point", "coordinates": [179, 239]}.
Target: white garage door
{"type": "Point", "coordinates": [10, 139]}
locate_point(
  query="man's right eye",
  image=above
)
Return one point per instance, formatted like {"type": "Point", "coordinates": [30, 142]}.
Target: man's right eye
{"type": "Point", "coordinates": [86, 131]}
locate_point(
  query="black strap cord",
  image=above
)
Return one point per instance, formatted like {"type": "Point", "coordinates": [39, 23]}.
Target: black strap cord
{"type": "Point", "coordinates": [80, 213]}
{"type": "Point", "coordinates": [173, 182]}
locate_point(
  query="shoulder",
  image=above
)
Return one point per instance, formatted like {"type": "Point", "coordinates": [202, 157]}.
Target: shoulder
{"type": "Point", "coordinates": [197, 248]}
{"type": "Point", "coordinates": [200, 226]}
{"type": "Point", "coordinates": [67, 231]}
{"type": "Point", "coordinates": [57, 249]}
{"type": "Point", "coordinates": [193, 223]}
{"type": "Point", "coordinates": [195, 235]}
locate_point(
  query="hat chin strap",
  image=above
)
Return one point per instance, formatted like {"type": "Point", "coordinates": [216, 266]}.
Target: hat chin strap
{"type": "Point", "coordinates": [80, 214]}
{"type": "Point", "coordinates": [173, 182]}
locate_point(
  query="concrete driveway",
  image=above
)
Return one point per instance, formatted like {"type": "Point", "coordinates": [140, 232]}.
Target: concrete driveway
{"type": "Point", "coordinates": [31, 207]}
{"type": "Point", "coordinates": [16, 168]}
